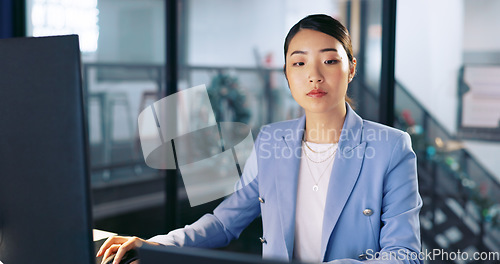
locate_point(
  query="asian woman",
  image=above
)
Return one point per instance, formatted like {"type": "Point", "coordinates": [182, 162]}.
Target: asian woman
{"type": "Point", "coordinates": [330, 186]}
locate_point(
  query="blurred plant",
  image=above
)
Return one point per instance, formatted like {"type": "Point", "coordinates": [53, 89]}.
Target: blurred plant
{"type": "Point", "coordinates": [228, 99]}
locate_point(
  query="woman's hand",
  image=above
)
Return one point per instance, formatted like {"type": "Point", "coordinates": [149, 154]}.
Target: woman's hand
{"type": "Point", "coordinates": [120, 245]}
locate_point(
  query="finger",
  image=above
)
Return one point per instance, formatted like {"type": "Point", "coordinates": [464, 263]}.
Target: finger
{"type": "Point", "coordinates": [110, 251]}
{"type": "Point", "coordinates": [104, 246]}
{"type": "Point", "coordinates": [129, 245]}
{"type": "Point", "coordinates": [111, 241]}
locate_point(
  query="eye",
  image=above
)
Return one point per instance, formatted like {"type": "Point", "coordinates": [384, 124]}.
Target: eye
{"type": "Point", "coordinates": [298, 63]}
{"type": "Point", "coordinates": [331, 61]}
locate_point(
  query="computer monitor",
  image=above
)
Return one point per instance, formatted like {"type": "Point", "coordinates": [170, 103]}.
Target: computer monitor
{"type": "Point", "coordinates": [181, 255]}
{"type": "Point", "coordinates": [45, 209]}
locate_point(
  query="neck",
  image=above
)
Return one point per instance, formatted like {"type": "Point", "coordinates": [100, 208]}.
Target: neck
{"type": "Point", "coordinates": [325, 127]}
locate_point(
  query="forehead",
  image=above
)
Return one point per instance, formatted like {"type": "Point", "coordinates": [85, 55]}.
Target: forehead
{"type": "Point", "coordinates": [312, 40]}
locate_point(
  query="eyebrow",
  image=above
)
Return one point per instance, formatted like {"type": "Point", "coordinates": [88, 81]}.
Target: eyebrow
{"type": "Point", "coordinates": [305, 52]}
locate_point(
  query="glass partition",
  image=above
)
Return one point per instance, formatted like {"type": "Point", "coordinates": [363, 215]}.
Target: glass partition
{"type": "Point", "coordinates": [365, 19]}
{"type": "Point", "coordinates": [123, 57]}
{"type": "Point", "coordinates": [235, 48]}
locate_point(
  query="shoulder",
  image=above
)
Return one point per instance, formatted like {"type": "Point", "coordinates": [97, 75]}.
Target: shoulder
{"type": "Point", "coordinates": [282, 125]}
{"type": "Point", "coordinates": [392, 141]}
{"type": "Point", "coordinates": [374, 132]}
{"type": "Point", "coordinates": [392, 148]}
{"type": "Point", "coordinates": [374, 127]}
{"type": "Point", "coordinates": [289, 129]}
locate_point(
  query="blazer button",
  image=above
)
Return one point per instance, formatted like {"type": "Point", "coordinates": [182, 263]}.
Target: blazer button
{"type": "Point", "coordinates": [363, 256]}
{"type": "Point", "coordinates": [261, 200]}
{"type": "Point", "coordinates": [368, 212]}
{"type": "Point", "coordinates": [262, 240]}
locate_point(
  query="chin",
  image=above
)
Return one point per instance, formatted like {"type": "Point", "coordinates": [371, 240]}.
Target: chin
{"type": "Point", "coordinates": [327, 107]}
{"type": "Point", "coordinates": [319, 110]}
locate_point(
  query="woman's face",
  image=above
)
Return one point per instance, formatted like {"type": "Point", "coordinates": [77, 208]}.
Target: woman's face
{"type": "Point", "coordinates": [318, 71]}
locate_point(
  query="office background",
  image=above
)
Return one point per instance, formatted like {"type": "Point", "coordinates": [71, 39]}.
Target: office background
{"type": "Point", "coordinates": [430, 68]}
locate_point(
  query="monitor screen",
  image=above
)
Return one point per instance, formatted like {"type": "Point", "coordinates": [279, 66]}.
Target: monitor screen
{"type": "Point", "coordinates": [45, 209]}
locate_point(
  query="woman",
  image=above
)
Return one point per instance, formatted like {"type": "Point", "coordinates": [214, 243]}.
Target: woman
{"type": "Point", "coordinates": [330, 186]}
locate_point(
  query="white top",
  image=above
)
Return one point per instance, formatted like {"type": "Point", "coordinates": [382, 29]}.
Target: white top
{"type": "Point", "coordinates": [311, 202]}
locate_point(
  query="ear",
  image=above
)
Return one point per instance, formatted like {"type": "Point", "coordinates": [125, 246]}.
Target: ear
{"type": "Point", "coordinates": [352, 70]}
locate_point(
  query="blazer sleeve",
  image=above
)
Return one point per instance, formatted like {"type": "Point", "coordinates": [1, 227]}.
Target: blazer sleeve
{"type": "Point", "coordinates": [401, 203]}
{"type": "Point", "coordinates": [228, 220]}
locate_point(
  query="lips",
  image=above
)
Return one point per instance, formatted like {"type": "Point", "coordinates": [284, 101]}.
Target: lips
{"type": "Point", "coordinates": [316, 93]}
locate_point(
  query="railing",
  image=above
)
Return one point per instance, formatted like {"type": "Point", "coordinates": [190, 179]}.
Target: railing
{"type": "Point", "coordinates": [265, 94]}
{"type": "Point", "coordinates": [110, 89]}
{"type": "Point", "coordinates": [461, 198]}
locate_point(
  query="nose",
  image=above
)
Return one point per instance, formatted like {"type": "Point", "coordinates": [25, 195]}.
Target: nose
{"type": "Point", "coordinates": [315, 75]}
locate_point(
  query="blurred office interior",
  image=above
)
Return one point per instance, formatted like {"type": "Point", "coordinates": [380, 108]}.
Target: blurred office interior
{"type": "Point", "coordinates": [431, 68]}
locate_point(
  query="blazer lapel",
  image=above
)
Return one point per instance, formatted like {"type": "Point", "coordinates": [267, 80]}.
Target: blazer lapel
{"type": "Point", "coordinates": [345, 173]}
{"type": "Point", "coordinates": [286, 180]}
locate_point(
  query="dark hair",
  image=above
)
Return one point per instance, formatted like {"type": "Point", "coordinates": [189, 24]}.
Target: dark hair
{"type": "Point", "coordinates": [324, 24]}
